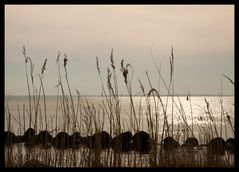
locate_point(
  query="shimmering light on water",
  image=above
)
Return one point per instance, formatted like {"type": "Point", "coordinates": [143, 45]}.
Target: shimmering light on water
{"type": "Point", "coordinates": [83, 157]}
{"type": "Point", "coordinates": [197, 109]}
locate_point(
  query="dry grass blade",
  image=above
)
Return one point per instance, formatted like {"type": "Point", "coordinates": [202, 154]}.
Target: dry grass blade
{"type": "Point", "coordinates": [88, 117]}
{"type": "Point", "coordinates": [228, 79]}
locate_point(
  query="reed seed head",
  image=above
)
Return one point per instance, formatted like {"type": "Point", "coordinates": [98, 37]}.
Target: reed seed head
{"type": "Point", "coordinates": [97, 64]}
{"type": "Point", "coordinates": [228, 118]}
{"type": "Point", "coordinates": [24, 50]}
{"type": "Point", "coordinates": [43, 67]}
{"type": "Point", "coordinates": [65, 60]}
{"type": "Point", "coordinates": [111, 59]}
{"type": "Point", "coordinates": [58, 56]}
{"type": "Point", "coordinates": [124, 70]}
{"type": "Point", "coordinates": [109, 78]}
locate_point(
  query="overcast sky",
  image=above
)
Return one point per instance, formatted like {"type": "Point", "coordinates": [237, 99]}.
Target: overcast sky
{"type": "Point", "coordinates": [202, 38]}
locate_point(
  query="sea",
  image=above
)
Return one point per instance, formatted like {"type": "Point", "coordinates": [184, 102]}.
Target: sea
{"type": "Point", "coordinates": [203, 117]}
{"type": "Point", "coordinates": [93, 113]}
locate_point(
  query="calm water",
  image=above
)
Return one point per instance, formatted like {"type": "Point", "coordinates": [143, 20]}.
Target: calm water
{"type": "Point", "coordinates": [18, 107]}
{"type": "Point", "coordinates": [90, 108]}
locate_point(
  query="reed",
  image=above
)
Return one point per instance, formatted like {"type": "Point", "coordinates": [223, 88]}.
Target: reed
{"type": "Point", "coordinates": [88, 118]}
{"type": "Point", "coordinates": [28, 85]}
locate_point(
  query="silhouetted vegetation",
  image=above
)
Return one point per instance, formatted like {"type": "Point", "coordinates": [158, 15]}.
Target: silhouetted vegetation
{"type": "Point", "coordinates": [79, 139]}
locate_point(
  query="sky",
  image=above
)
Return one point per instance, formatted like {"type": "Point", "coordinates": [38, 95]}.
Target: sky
{"type": "Point", "coordinates": [202, 37]}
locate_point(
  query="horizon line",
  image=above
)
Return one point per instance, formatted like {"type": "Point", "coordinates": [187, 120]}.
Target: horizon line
{"type": "Point", "coordinates": [128, 95]}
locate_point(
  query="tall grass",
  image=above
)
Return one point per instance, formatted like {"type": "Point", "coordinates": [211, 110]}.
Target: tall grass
{"type": "Point", "coordinates": [79, 114]}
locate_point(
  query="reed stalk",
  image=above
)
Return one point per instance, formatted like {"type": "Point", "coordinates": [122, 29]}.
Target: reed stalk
{"type": "Point", "coordinates": [71, 98]}
{"type": "Point", "coordinates": [92, 119]}
{"type": "Point", "coordinates": [28, 85]}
